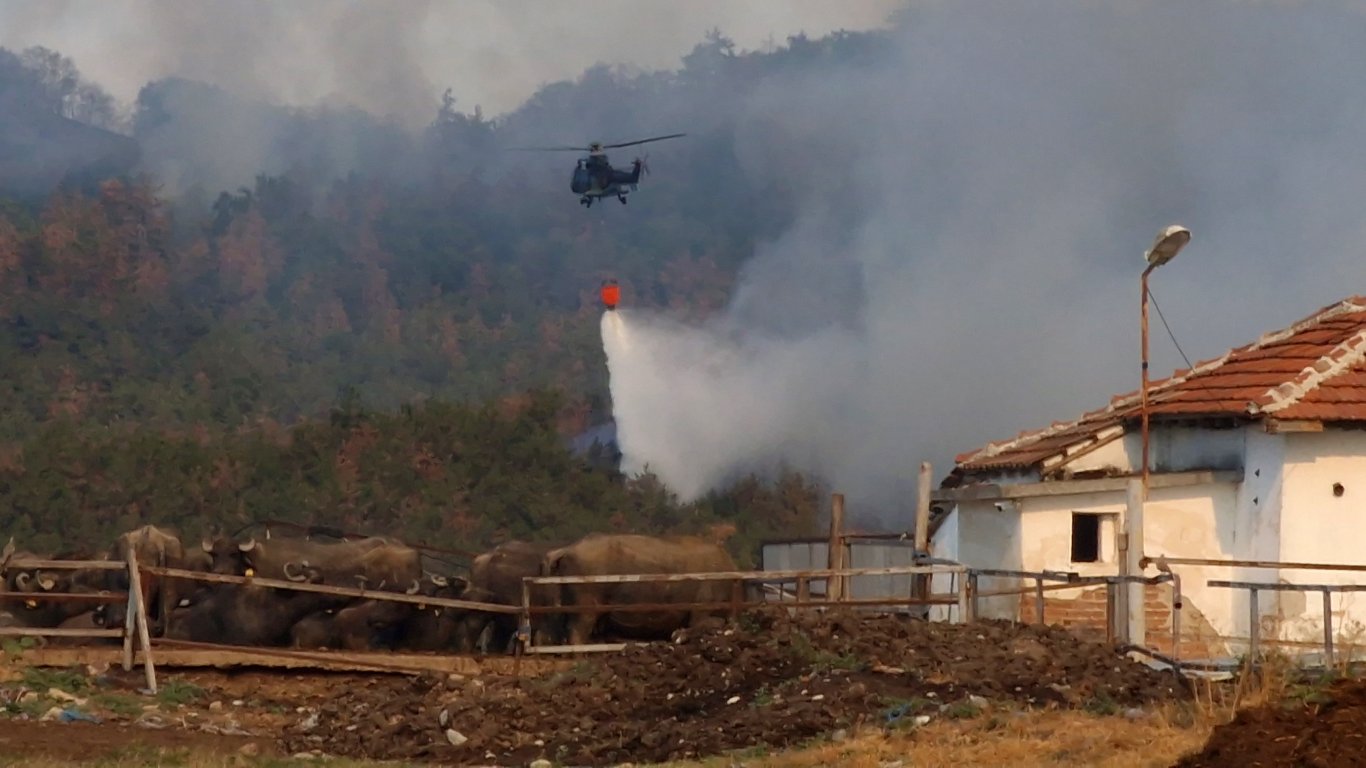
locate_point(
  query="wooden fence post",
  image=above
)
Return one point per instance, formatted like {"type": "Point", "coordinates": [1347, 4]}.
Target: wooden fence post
{"type": "Point", "coordinates": [1327, 629]}
{"type": "Point", "coordinates": [139, 611]}
{"type": "Point", "coordinates": [972, 597]}
{"type": "Point", "coordinates": [1038, 601]}
{"type": "Point", "coordinates": [129, 627]}
{"type": "Point", "coordinates": [834, 586]}
{"type": "Point", "coordinates": [921, 582]}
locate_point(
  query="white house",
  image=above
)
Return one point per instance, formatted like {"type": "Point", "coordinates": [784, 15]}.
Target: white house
{"type": "Point", "coordinates": [1255, 456]}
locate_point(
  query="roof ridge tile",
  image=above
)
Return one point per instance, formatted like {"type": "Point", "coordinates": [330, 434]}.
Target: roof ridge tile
{"type": "Point", "coordinates": [1341, 357]}
{"type": "Point", "coordinates": [1277, 397]}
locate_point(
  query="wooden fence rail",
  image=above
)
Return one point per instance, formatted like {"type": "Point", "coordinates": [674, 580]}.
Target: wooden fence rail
{"type": "Point", "coordinates": [135, 621]}
{"type": "Point", "coordinates": [1254, 626]}
{"type": "Point", "coordinates": [327, 589]}
{"type": "Point", "coordinates": [802, 578]}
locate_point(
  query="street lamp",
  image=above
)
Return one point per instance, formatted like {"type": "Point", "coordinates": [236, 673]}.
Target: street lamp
{"type": "Point", "coordinates": [1168, 243]}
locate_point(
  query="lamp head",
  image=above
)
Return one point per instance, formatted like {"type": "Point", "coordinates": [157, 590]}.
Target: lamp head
{"type": "Point", "coordinates": [1169, 241]}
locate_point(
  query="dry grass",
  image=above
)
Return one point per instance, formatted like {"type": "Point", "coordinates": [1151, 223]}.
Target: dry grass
{"type": "Point", "coordinates": [179, 758]}
{"type": "Point", "coordinates": [1042, 739]}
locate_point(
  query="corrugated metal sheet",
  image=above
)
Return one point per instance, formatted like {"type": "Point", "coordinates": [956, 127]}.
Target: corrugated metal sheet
{"type": "Point", "coordinates": [813, 555]}
{"type": "Point", "coordinates": [797, 556]}
{"type": "Point", "coordinates": [880, 555]}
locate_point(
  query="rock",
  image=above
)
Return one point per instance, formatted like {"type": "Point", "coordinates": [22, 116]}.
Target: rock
{"type": "Point", "coordinates": [309, 723]}
{"type": "Point", "coordinates": [456, 738]}
{"type": "Point", "coordinates": [978, 701]}
{"type": "Point", "coordinates": [840, 735]}
{"type": "Point", "coordinates": [444, 718]}
{"type": "Point", "coordinates": [61, 695]}
{"type": "Point", "coordinates": [215, 706]}
{"type": "Point", "coordinates": [921, 720]}
{"type": "Point", "coordinates": [237, 702]}
{"type": "Point", "coordinates": [542, 763]}
{"type": "Point", "coordinates": [303, 756]}
{"type": "Point", "coordinates": [1134, 713]}
{"type": "Point", "coordinates": [732, 699]}
{"type": "Point", "coordinates": [150, 707]}
{"type": "Point", "coordinates": [51, 715]}
{"type": "Point", "coordinates": [251, 749]}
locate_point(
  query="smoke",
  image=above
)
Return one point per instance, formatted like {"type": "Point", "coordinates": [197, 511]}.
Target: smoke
{"type": "Point", "coordinates": [252, 87]}
{"type": "Point", "coordinates": [395, 59]}
{"type": "Point", "coordinates": [974, 212]}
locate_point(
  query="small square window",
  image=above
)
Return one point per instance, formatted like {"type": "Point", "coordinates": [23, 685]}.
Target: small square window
{"type": "Point", "coordinates": [1085, 537]}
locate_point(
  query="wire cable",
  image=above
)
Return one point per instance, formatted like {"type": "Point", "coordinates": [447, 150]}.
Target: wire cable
{"type": "Point", "coordinates": [1171, 335]}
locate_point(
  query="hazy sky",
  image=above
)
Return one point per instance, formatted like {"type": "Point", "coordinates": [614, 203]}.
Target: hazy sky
{"type": "Point", "coordinates": [966, 259]}
{"type": "Point", "coordinates": [397, 57]}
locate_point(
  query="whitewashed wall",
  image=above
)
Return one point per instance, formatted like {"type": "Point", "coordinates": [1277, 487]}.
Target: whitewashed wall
{"type": "Point", "coordinates": [1318, 527]}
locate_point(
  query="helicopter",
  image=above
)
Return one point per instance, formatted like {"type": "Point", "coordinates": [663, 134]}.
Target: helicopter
{"type": "Point", "coordinates": [594, 177]}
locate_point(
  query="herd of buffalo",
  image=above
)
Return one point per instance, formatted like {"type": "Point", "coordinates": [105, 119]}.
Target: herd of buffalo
{"type": "Point", "coordinates": [256, 615]}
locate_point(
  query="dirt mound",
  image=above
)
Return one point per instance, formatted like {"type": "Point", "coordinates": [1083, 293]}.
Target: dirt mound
{"type": "Point", "coordinates": [770, 680]}
{"type": "Point", "coordinates": [1323, 729]}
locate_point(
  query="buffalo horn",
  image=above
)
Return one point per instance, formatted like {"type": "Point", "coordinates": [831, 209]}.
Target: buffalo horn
{"type": "Point", "coordinates": [413, 590]}
{"type": "Point", "coordinates": [291, 575]}
{"type": "Point", "coordinates": [207, 545]}
{"type": "Point", "coordinates": [248, 545]}
{"type": "Point", "coordinates": [47, 583]}
{"type": "Point", "coordinates": [439, 580]}
{"type": "Point", "coordinates": [22, 579]}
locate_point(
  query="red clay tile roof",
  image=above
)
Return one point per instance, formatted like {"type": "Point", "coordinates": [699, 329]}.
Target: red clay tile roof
{"type": "Point", "coordinates": [1314, 370]}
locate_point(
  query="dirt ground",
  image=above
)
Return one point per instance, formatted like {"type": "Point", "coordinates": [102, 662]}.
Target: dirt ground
{"type": "Point", "coordinates": [1325, 729]}
{"type": "Point", "coordinates": [770, 682]}
{"type": "Point", "coordinates": [80, 742]}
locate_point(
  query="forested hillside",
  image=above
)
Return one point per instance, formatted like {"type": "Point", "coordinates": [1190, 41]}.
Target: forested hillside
{"type": "Point", "coordinates": [187, 341]}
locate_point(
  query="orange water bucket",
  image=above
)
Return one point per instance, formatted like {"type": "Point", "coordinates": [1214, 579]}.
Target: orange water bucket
{"type": "Point", "coordinates": [611, 294]}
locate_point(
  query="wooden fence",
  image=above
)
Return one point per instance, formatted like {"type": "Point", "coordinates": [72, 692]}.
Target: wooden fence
{"type": "Point", "coordinates": [738, 600]}
{"type": "Point", "coordinates": [135, 619]}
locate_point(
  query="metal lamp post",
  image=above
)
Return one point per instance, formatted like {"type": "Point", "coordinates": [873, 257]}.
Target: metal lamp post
{"type": "Point", "coordinates": [1168, 243]}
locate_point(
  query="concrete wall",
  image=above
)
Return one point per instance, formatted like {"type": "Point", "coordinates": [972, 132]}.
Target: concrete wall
{"type": "Point", "coordinates": [1170, 449]}
{"type": "Point", "coordinates": [1319, 527]}
{"type": "Point", "coordinates": [1194, 521]}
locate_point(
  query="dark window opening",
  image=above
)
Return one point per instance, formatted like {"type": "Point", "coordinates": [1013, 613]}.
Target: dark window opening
{"type": "Point", "coordinates": [1085, 538]}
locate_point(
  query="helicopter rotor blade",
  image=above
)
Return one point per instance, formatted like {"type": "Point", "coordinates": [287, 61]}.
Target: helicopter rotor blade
{"type": "Point", "coordinates": [547, 149]}
{"type": "Point", "coordinates": [642, 141]}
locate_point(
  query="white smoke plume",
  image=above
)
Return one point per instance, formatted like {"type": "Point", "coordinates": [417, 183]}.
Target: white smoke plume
{"type": "Point", "coordinates": [975, 213]}
{"type": "Point", "coordinates": [394, 59]}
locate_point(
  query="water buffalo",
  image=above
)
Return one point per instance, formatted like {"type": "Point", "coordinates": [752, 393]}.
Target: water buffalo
{"type": "Point", "coordinates": [604, 554]}
{"type": "Point", "coordinates": [316, 630]}
{"type": "Point", "coordinates": [249, 614]}
{"type": "Point", "coordinates": [435, 628]}
{"type": "Point", "coordinates": [155, 547]}
{"type": "Point", "coordinates": [374, 624]}
{"type": "Point", "coordinates": [498, 573]}
{"type": "Point", "coordinates": [27, 586]}
{"type": "Point", "coordinates": [376, 562]}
